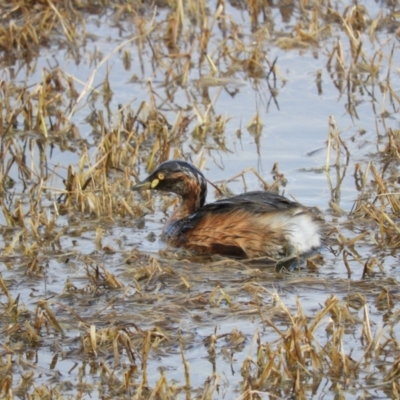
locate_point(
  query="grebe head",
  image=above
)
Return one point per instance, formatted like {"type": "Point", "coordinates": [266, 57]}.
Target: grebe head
{"type": "Point", "coordinates": [177, 177]}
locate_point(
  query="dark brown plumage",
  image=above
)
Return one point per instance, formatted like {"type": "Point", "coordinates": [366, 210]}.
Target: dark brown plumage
{"type": "Point", "coordinates": [252, 224]}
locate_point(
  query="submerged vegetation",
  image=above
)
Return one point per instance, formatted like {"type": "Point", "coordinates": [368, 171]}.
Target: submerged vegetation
{"type": "Point", "coordinates": [94, 95]}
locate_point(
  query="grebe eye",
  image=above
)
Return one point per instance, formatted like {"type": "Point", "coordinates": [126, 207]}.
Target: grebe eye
{"type": "Point", "coordinates": [160, 176]}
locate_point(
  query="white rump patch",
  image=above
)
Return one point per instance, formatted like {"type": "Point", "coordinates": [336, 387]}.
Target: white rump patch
{"type": "Point", "coordinates": [302, 232]}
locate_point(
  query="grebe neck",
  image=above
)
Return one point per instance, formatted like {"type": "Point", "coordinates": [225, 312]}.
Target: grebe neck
{"type": "Point", "coordinates": [191, 201]}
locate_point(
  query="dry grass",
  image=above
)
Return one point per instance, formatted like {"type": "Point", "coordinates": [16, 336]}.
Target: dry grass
{"type": "Point", "coordinates": [122, 321]}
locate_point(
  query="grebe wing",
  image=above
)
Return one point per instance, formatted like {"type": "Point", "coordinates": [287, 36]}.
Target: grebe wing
{"type": "Point", "coordinates": [256, 202]}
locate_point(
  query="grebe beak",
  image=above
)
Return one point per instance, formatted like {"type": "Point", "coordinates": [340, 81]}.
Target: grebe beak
{"type": "Point", "coordinates": [142, 186]}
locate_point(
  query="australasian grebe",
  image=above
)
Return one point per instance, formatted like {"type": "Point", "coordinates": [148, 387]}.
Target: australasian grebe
{"type": "Point", "coordinates": [253, 224]}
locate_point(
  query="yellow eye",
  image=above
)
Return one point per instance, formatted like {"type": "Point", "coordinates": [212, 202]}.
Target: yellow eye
{"type": "Point", "coordinates": [160, 176]}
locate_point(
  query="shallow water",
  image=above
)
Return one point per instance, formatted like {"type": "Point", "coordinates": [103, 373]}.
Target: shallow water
{"type": "Point", "coordinates": [184, 298]}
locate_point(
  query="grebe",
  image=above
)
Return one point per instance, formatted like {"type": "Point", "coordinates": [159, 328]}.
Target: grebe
{"type": "Point", "coordinates": [253, 224]}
